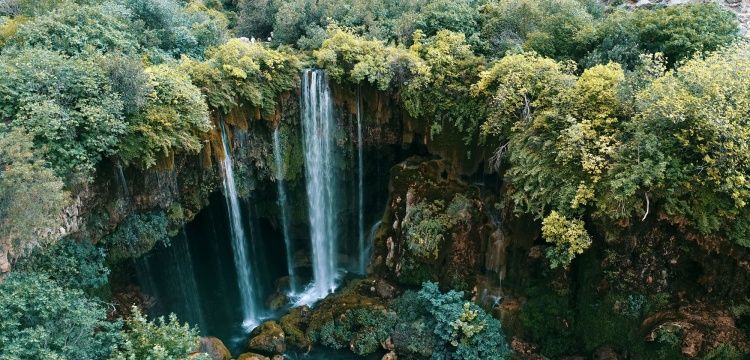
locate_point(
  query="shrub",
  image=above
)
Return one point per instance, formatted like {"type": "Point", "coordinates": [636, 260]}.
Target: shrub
{"type": "Point", "coordinates": [568, 237]}
{"type": "Point", "coordinates": [175, 118]}
{"type": "Point", "coordinates": [157, 340]}
{"type": "Point", "coordinates": [70, 263]}
{"type": "Point", "coordinates": [31, 197]}
{"type": "Point", "coordinates": [39, 319]}
{"type": "Point", "coordinates": [137, 235]}
{"type": "Point", "coordinates": [67, 104]}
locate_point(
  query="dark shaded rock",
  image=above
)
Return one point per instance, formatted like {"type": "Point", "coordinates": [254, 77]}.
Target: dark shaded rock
{"type": "Point", "coordinates": [268, 337]}
{"type": "Point", "coordinates": [604, 353]}
{"type": "Point", "coordinates": [384, 289]}
{"type": "Point", "coordinates": [294, 324]}
{"type": "Point", "coordinates": [215, 348]}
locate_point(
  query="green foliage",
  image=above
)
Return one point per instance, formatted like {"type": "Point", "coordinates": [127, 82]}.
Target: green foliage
{"type": "Point", "coordinates": [349, 57]}
{"type": "Point", "coordinates": [171, 29]}
{"type": "Point", "coordinates": [136, 235]}
{"type": "Point", "coordinates": [239, 73]}
{"type": "Point", "coordinates": [441, 94]}
{"type": "Point", "coordinates": [678, 32]}
{"type": "Point", "coordinates": [67, 104]}
{"type": "Point", "coordinates": [157, 340]}
{"type": "Point", "coordinates": [548, 317]}
{"type": "Point", "coordinates": [73, 29]}
{"type": "Point", "coordinates": [70, 263]}
{"type": "Point", "coordinates": [427, 226]}
{"type": "Point", "coordinates": [568, 237]}
{"type": "Point", "coordinates": [464, 330]}
{"type": "Point", "coordinates": [553, 28]}
{"type": "Point", "coordinates": [129, 80]}
{"type": "Point", "coordinates": [39, 319]}
{"type": "Point", "coordinates": [699, 115]}
{"type": "Point", "coordinates": [365, 329]}
{"type": "Point", "coordinates": [174, 119]}
{"type": "Point", "coordinates": [31, 196]}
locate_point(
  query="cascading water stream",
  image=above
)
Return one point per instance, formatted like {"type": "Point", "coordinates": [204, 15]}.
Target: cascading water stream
{"type": "Point", "coordinates": [185, 274]}
{"type": "Point", "coordinates": [284, 211]}
{"type": "Point", "coordinates": [237, 231]}
{"type": "Point", "coordinates": [318, 140]}
{"type": "Point", "coordinates": [360, 190]}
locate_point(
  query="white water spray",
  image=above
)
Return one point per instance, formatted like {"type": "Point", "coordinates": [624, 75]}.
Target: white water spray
{"type": "Point", "coordinates": [237, 230]}
{"type": "Point", "coordinates": [318, 138]}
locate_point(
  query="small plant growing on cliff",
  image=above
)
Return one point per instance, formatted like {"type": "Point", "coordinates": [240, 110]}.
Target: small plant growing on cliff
{"type": "Point", "coordinates": [568, 237]}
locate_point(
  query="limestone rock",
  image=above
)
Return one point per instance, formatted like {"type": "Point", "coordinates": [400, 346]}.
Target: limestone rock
{"type": "Point", "coordinates": [268, 337]}
{"type": "Point", "coordinates": [215, 348]}
{"type": "Point", "coordinates": [252, 356]}
{"type": "Point", "coordinates": [390, 356]}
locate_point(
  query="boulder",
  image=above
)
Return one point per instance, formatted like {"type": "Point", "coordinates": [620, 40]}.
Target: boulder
{"type": "Point", "coordinates": [293, 324]}
{"type": "Point", "coordinates": [215, 348]}
{"type": "Point", "coordinates": [252, 356]}
{"type": "Point", "coordinates": [390, 356]}
{"type": "Point", "coordinates": [268, 338]}
{"type": "Point", "coordinates": [384, 289]}
{"type": "Point", "coordinates": [604, 353]}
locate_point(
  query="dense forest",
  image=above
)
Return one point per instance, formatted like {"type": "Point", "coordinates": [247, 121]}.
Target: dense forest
{"type": "Point", "coordinates": [562, 179]}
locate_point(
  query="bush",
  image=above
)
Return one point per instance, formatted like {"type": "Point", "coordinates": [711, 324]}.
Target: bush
{"type": "Point", "coordinates": [39, 319]}
{"type": "Point", "coordinates": [568, 237]}
{"type": "Point", "coordinates": [137, 235]}
{"type": "Point", "coordinates": [175, 119]}
{"type": "Point", "coordinates": [67, 104]}
{"type": "Point", "coordinates": [70, 263]}
{"type": "Point", "coordinates": [678, 32]}
{"type": "Point", "coordinates": [157, 340]}
{"type": "Point", "coordinates": [31, 197]}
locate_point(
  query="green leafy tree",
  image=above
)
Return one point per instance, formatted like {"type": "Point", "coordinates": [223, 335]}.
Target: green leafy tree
{"type": "Point", "coordinates": [31, 198]}
{"type": "Point", "coordinates": [174, 119]}
{"type": "Point", "coordinates": [157, 340]}
{"type": "Point", "coordinates": [441, 95]}
{"type": "Point", "coordinates": [462, 329]}
{"type": "Point", "coordinates": [66, 104]}
{"type": "Point", "coordinates": [39, 319]}
{"type": "Point", "coordinates": [678, 32]}
{"type": "Point", "coordinates": [73, 29]}
{"type": "Point", "coordinates": [555, 28]}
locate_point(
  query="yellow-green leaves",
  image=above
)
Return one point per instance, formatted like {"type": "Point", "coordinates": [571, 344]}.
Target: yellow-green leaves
{"type": "Point", "coordinates": [174, 119]}
{"type": "Point", "coordinates": [240, 72]}
{"type": "Point", "coordinates": [568, 238]}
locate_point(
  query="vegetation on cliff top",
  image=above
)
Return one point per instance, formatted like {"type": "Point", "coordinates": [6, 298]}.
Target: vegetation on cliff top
{"type": "Point", "coordinates": [605, 118]}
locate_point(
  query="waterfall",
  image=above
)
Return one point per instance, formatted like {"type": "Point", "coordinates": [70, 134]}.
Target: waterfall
{"type": "Point", "coordinates": [360, 190]}
{"type": "Point", "coordinates": [283, 211]}
{"type": "Point", "coordinates": [237, 231]}
{"type": "Point", "coordinates": [185, 276]}
{"type": "Point", "coordinates": [318, 139]}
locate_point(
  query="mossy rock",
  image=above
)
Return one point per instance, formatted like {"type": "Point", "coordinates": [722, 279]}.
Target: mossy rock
{"type": "Point", "coordinates": [215, 348]}
{"type": "Point", "coordinates": [252, 356]}
{"type": "Point", "coordinates": [269, 337]}
{"type": "Point", "coordinates": [294, 324]}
